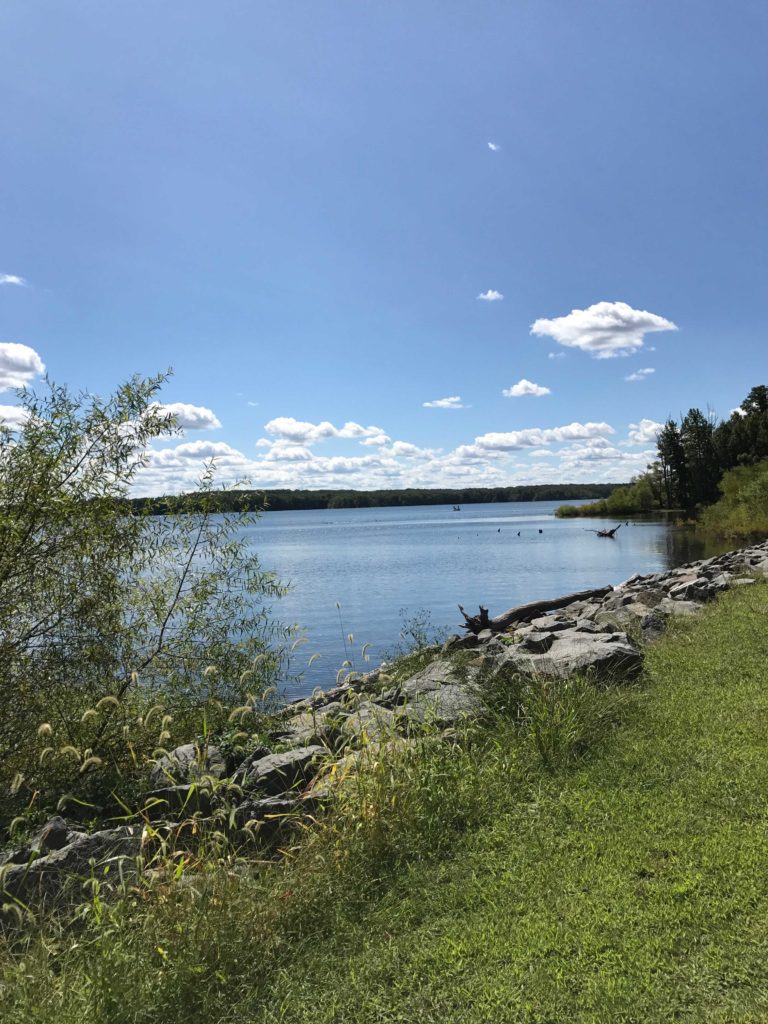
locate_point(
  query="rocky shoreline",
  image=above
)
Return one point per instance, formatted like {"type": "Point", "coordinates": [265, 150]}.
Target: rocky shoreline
{"type": "Point", "coordinates": [197, 791]}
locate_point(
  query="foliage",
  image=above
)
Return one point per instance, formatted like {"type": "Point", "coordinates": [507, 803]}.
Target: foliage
{"type": "Point", "coordinates": [743, 508]}
{"type": "Point", "coordinates": [120, 633]}
{"type": "Point", "coordinates": [692, 457]}
{"type": "Point", "coordinates": [637, 496]}
{"type": "Point", "coordinates": [417, 633]}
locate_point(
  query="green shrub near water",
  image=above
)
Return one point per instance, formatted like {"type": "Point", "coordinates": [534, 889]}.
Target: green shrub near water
{"type": "Point", "coordinates": [743, 509]}
{"type": "Point", "coordinates": [597, 857]}
{"type": "Point", "coordinates": [636, 497]}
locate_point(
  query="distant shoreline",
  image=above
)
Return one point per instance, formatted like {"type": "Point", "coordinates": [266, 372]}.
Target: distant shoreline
{"type": "Point", "coordinates": [297, 500]}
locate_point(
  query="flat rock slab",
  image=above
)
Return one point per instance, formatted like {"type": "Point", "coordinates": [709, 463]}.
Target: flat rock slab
{"type": "Point", "coordinates": [577, 653]}
{"type": "Point", "coordinates": [369, 723]}
{"type": "Point", "coordinates": [444, 706]}
{"type": "Point", "coordinates": [440, 673]}
{"type": "Point", "coordinates": [313, 727]}
{"type": "Point", "coordinates": [670, 607]}
{"type": "Point", "coordinates": [552, 624]}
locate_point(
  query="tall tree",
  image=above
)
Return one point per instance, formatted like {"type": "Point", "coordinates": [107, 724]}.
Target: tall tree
{"type": "Point", "coordinates": [674, 467]}
{"type": "Point", "coordinates": [697, 435]}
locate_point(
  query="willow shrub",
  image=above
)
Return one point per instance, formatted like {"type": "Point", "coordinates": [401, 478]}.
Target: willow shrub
{"type": "Point", "coordinates": [120, 633]}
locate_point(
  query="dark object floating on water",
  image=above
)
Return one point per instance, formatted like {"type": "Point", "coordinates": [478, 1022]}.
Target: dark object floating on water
{"type": "Point", "coordinates": [606, 533]}
{"type": "Point", "coordinates": [525, 612]}
{"type": "Point", "coordinates": [541, 531]}
{"type": "Point", "coordinates": [457, 508]}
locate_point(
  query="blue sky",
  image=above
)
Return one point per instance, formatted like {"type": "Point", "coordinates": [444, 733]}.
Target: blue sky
{"type": "Point", "coordinates": [296, 206]}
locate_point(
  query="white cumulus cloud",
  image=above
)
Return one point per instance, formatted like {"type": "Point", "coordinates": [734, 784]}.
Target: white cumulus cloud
{"type": "Point", "coordinates": [640, 374]}
{"type": "Point", "coordinates": [287, 428]}
{"type": "Point", "coordinates": [525, 387]}
{"type": "Point", "coordinates": [644, 431]}
{"type": "Point", "coordinates": [494, 147]}
{"type": "Point", "coordinates": [12, 279]}
{"type": "Point", "coordinates": [288, 453]}
{"type": "Point", "coordinates": [604, 330]}
{"type": "Point", "coordinates": [453, 402]}
{"type": "Point", "coordinates": [490, 296]}
{"type": "Point", "coordinates": [12, 416]}
{"type": "Point", "coordinates": [19, 364]}
{"type": "Point", "coordinates": [536, 437]}
{"type": "Point", "coordinates": [189, 417]}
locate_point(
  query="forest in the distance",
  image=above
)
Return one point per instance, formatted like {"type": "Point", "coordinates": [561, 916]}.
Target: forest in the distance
{"type": "Point", "coordinates": [284, 500]}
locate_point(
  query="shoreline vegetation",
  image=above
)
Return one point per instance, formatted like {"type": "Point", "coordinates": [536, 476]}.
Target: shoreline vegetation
{"type": "Point", "coordinates": [296, 500]}
{"type": "Point", "coordinates": [714, 475]}
{"type": "Point", "coordinates": [421, 870]}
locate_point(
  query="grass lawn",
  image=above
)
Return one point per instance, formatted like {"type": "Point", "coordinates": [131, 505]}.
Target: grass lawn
{"type": "Point", "coordinates": [628, 886]}
{"type": "Point", "coordinates": [633, 889]}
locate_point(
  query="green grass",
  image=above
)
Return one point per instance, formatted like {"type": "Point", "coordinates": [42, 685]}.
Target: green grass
{"type": "Point", "coordinates": [606, 862]}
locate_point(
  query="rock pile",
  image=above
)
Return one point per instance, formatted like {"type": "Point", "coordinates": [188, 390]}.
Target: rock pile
{"type": "Point", "coordinates": [601, 637]}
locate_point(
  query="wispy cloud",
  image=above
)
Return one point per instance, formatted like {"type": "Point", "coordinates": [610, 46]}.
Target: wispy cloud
{"type": "Point", "coordinates": [490, 296]}
{"type": "Point", "coordinates": [454, 402]}
{"type": "Point", "coordinates": [19, 364]}
{"type": "Point", "coordinates": [525, 387]}
{"type": "Point", "coordinates": [494, 147]}
{"type": "Point", "coordinates": [556, 355]}
{"type": "Point", "coordinates": [604, 330]}
{"type": "Point", "coordinates": [640, 374]}
{"type": "Point", "coordinates": [12, 279]}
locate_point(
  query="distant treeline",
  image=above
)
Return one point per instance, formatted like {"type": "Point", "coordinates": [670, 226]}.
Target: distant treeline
{"type": "Point", "coordinates": [284, 500]}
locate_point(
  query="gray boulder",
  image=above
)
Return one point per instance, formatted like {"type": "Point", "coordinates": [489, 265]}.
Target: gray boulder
{"type": "Point", "coordinates": [444, 706]}
{"type": "Point", "coordinates": [578, 653]}
{"type": "Point", "coordinates": [698, 589]}
{"type": "Point", "coordinates": [188, 763]}
{"type": "Point", "coordinates": [105, 856]}
{"type": "Point", "coordinates": [278, 773]}
{"type": "Point", "coordinates": [54, 835]}
{"type": "Point", "coordinates": [174, 800]}
{"type": "Point", "coordinates": [684, 608]}
{"type": "Point", "coordinates": [370, 722]}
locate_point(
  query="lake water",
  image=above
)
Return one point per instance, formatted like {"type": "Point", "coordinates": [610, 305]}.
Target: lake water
{"type": "Point", "coordinates": [376, 562]}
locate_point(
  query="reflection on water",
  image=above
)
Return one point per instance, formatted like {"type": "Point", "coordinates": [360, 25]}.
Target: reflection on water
{"type": "Point", "coordinates": [376, 562]}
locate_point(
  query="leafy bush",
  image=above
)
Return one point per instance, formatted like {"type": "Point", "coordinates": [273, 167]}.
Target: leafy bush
{"type": "Point", "coordinates": [120, 633]}
{"type": "Point", "coordinates": [743, 508]}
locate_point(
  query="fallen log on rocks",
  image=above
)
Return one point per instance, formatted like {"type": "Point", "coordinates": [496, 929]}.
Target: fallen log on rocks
{"type": "Point", "coordinates": [525, 612]}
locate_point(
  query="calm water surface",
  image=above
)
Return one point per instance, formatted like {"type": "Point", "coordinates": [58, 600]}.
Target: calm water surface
{"type": "Point", "coordinates": [377, 562]}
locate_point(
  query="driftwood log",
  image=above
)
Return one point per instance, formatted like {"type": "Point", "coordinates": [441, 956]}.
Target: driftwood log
{"type": "Point", "coordinates": [525, 612]}
{"type": "Point", "coordinates": [606, 533]}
